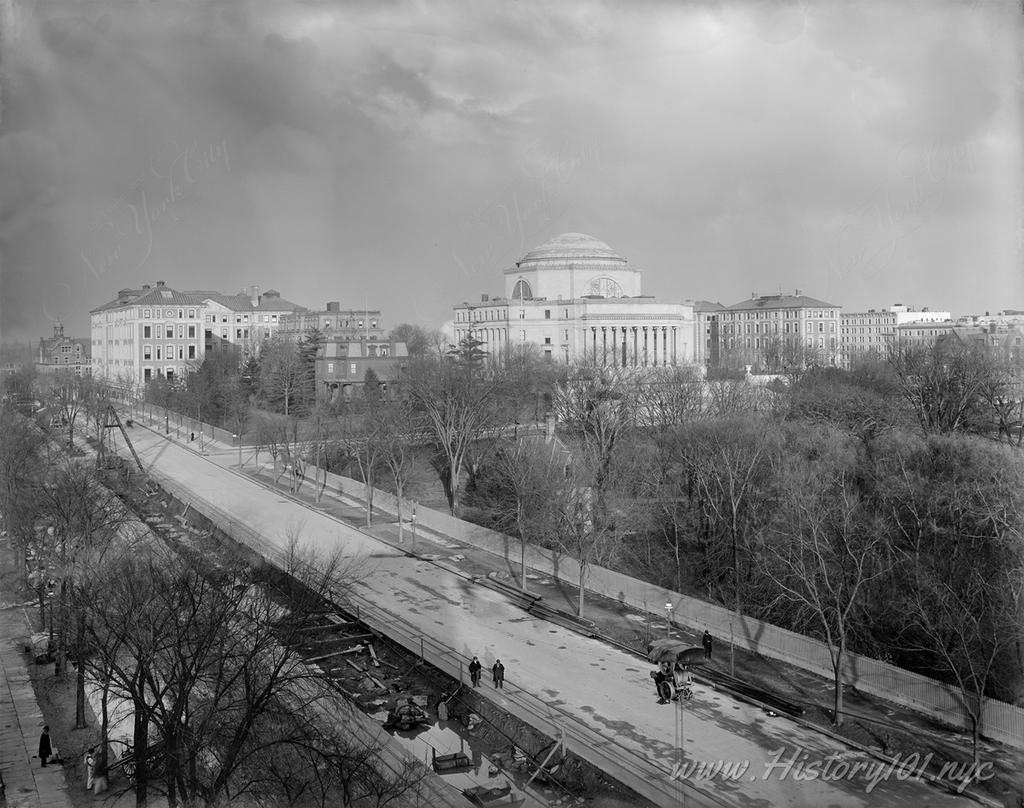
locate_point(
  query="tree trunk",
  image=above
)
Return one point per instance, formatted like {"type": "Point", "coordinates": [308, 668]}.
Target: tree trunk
{"type": "Point", "coordinates": [62, 630]}
{"type": "Point", "coordinates": [837, 670]}
{"type": "Point", "coordinates": [80, 683]}
{"type": "Point", "coordinates": [140, 747]}
{"type": "Point", "coordinates": [583, 576]}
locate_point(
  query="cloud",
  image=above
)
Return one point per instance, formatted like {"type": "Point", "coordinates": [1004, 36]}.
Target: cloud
{"type": "Point", "coordinates": [338, 149]}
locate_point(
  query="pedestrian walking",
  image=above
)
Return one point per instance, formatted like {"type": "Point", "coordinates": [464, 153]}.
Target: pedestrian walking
{"type": "Point", "coordinates": [499, 674]}
{"type": "Point", "coordinates": [45, 748]}
{"type": "Point", "coordinates": [90, 767]}
{"type": "Point", "coordinates": [474, 671]}
{"type": "Point", "coordinates": [707, 641]}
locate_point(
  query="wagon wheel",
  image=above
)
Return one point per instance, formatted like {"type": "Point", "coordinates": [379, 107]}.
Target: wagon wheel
{"type": "Point", "coordinates": [665, 690]}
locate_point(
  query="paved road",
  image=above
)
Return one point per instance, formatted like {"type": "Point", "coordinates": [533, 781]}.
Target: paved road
{"type": "Point", "coordinates": [578, 679]}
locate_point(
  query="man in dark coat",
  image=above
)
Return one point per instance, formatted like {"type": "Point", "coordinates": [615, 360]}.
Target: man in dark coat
{"type": "Point", "coordinates": [474, 671]}
{"type": "Point", "coordinates": [499, 674]}
{"type": "Point", "coordinates": [707, 641]}
{"type": "Point", "coordinates": [45, 750]}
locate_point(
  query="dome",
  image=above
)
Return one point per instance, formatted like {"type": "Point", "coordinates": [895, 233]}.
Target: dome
{"type": "Point", "coordinates": [571, 247]}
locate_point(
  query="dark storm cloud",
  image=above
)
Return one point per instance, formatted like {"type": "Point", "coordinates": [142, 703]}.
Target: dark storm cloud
{"type": "Point", "coordinates": [402, 154]}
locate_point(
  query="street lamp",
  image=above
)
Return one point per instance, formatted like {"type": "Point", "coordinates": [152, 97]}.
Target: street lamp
{"type": "Point", "coordinates": [668, 616]}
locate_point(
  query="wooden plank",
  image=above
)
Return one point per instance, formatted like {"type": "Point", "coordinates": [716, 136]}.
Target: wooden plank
{"type": "Point", "coordinates": [327, 656]}
{"type": "Point", "coordinates": [359, 668]}
{"type": "Point", "coordinates": [373, 655]}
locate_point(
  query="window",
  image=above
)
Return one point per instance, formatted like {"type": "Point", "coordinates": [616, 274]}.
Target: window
{"type": "Point", "coordinates": [159, 353]}
{"type": "Point", "coordinates": [821, 328]}
{"type": "Point", "coordinates": [169, 331]}
{"type": "Point", "coordinates": [181, 352]}
{"type": "Point", "coordinates": [352, 369]}
{"type": "Point", "coordinates": [191, 314]}
{"type": "Point", "coordinates": [223, 333]}
{"type": "Point", "coordinates": [547, 340]}
{"type": "Point", "coordinates": [191, 351]}
{"type": "Point", "coordinates": [245, 318]}
{"type": "Point", "coordinates": [330, 367]}
{"type": "Point", "coordinates": [181, 331]}
{"type": "Point", "coordinates": [266, 318]}
{"type": "Point", "coordinates": [146, 313]}
{"type": "Point", "coordinates": [547, 314]}
{"type": "Point", "coordinates": [373, 323]}
{"type": "Point", "coordinates": [147, 374]}
{"type": "Point", "coordinates": [191, 332]}
{"type": "Point", "coordinates": [566, 314]}
{"type": "Point", "coordinates": [147, 352]}
{"type": "Point", "coordinates": [522, 314]}
{"type": "Point", "coordinates": [169, 352]}
{"type": "Point", "coordinates": [238, 333]}
{"type": "Point", "coordinates": [147, 332]}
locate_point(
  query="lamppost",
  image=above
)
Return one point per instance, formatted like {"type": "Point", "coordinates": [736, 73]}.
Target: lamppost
{"type": "Point", "coordinates": [668, 619]}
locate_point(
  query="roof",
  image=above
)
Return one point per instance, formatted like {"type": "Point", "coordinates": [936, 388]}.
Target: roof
{"type": "Point", "coordinates": [707, 305]}
{"type": "Point", "coordinates": [781, 302]}
{"type": "Point", "coordinates": [154, 296]}
{"type": "Point", "coordinates": [571, 247]}
{"type": "Point", "coordinates": [242, 302]}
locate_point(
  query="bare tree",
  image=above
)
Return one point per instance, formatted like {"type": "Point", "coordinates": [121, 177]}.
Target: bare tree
{"type": "Point", "coordinates": [396, 423]}
{"type": "Point", "coordinates": [942, 382]}
{"type": "Point", "coordinates": [21, 463]}
{"type": "Point", "coordinates": [85, 516]}
{"type": "Point", "coordinates": [210, 658]}
{"type": "Point", "coordinates": [531, 472]}
{"type": "Point", "coordinates": [66, 398]}
{"type": "Point", "coordinates": [459, 403]}
{"type": "Point", "coordinates": [826, 551]}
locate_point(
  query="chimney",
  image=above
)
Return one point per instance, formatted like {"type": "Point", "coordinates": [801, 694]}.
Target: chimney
{"type": "Point", "coordinates": [333, 305]}
{"type": "Point", "coordinates": [753, 295]}
{"type": "Point", "coordinates": [255, 297]}
{"type": "Point", "coordinates": [159, 283]}
{"type": "Point", "coordinates": [484, 298]}
{"type": "Point", "coordinates": [798, 293]}
{"type": "Point", "coordinates": [145, 287]}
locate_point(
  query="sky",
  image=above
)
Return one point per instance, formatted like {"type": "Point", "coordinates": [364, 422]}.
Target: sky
{"type": "Point", "coordinates": [400, 155]}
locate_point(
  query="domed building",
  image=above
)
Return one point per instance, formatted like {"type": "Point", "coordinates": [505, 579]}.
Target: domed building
{"type": "Point", "coordinates": [577, 299]}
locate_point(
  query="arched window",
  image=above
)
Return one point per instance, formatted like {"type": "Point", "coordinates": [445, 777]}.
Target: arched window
{"type": "Point", "coordinates": [522, 291]}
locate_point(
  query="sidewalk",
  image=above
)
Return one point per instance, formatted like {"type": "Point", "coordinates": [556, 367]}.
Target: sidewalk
{"type": "Point", "coordinates": [28, 784]}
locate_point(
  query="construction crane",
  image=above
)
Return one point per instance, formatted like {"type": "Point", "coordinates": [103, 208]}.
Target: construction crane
{"type": "Point", "coordinates": [112, 421]}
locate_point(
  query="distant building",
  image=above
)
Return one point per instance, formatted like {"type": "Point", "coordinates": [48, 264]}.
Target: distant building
{"type": "Point", "coordinates": [160, 332]}
{"type": "Point", "coordinates": [921, 332]}
{"type": "Point", "coordinates": [244, 320]}
{"type": "Point", "coordinates": [709, 332]}
{"type": "Point", "coordinates": [773, 332]}
{"type": "Point", "coordinates": [873, 332]}
{"type": "Point", "coordinates": [341, 366]}
{"type": "Point", "coordinates": [576, 299]}
{"type": "Point", "coordinates": [60, 354]}
{"type": "Point", "coordinates": [336, 324]}
{"type": "Point", "coordinates": [1005, 339]}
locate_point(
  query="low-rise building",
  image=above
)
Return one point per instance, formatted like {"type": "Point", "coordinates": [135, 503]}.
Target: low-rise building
{"type": "Point", "coordinates": [341, 367]}
{"type": "Point", "coordinates": [60, 354]}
